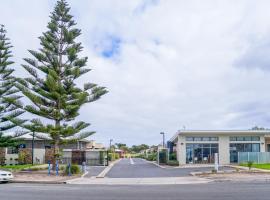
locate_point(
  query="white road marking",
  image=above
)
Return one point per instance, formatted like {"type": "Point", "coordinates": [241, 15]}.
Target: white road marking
{"type": "Point", "coordinates": [131, 161]}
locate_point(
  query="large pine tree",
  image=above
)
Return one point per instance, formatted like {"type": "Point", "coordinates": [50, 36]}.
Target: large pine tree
{"type": "Point", "coordinates": [55, 97]}
{"type": "Point", "coordinates": [9, 98]}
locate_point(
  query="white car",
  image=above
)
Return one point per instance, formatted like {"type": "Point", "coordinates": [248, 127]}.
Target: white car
{"type": "Point", "coordinates": [5, 176]}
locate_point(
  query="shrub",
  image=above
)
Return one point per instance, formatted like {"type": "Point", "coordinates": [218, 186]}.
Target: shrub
{"type": "Point", "coordinates": [172, 156]}
{"type": "Point", "coordinates": [152, 157]}
{"type": "Point", "coordinates": [74, 169]}
{"type": "Point", "coordinates": [111, 157]}
{"type": "Point", "coordinates": [116, 156]}
{"type": "Point", "coordinates": [249, 164]}
{"type": "Point", "coordinates": [173, 163]}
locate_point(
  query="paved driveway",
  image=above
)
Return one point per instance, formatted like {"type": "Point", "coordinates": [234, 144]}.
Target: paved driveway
{"type": "Point", "coordinates": [94, 170]}
{"type": "Point", "coordinates": [140, 168]}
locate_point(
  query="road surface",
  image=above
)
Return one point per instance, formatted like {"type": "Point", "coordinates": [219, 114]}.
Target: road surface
{"type": "Point", "coordinates": [210, 191]}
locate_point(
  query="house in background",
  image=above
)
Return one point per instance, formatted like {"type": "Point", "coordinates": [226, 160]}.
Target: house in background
{"type": "Point", "coordinates": [43, 151]}
{"type": "Point", "coordinates": [92, 144]}
{"type": "Point", "coordinates": [199, 146]}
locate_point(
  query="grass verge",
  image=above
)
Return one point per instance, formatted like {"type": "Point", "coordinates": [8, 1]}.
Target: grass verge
{"type": "Point", "coordinates": [258, 166]}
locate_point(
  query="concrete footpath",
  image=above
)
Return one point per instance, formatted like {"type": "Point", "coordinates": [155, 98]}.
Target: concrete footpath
{"type": "Point", "coordinates": [140, 181]}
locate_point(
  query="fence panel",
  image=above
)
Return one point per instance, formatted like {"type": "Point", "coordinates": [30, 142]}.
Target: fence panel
{"type": "Point", "coordinates": [256, 157]}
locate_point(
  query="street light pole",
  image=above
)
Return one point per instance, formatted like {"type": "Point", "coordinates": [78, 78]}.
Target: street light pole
{"type": "Point", "coordinates": [111, 143]}
{"type": "Point", "coordinates": [163, 134]}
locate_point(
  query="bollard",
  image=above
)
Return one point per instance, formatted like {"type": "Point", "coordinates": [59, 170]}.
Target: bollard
{"type": "Point", "coordinates": [49, 168]}
{"type": "Point", "coordinates": [56, 167]}
{"type": "Point", "coordinates": [83, 167]}
{"type": "Point", "coordinates": [69, 169]}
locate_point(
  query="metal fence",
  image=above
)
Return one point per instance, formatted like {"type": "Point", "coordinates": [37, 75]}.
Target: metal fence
{"type": "Point", "coordinates": [256, 157]}
{"type": "Point", "coordinates": [88, 162]}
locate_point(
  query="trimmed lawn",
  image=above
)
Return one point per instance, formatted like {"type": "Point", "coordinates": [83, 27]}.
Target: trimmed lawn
{"type": "Point", "coordinates": [18, 167]}
{"type": "Point", "coordinates": [259, 166]}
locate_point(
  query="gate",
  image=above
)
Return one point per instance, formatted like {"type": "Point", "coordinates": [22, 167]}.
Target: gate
{"type": "Point", "coordinates": [78, 157]}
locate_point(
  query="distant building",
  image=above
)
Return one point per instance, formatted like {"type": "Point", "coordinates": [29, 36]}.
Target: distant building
{"type": "Point", "coordinates": [43, 151]}
{"type": "Point", "coordinates": [92, 144]}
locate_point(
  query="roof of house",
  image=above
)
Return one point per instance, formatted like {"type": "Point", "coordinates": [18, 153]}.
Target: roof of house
{"type": "Point", "coordinates": [218, 132]}
{"type": "Point", "coordinates": [28, 136]}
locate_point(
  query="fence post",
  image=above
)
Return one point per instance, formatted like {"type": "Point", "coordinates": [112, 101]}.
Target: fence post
{"type": "Point", "coordinates": [248, 156]}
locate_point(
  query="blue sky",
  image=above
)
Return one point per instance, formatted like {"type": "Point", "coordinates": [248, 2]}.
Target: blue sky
{"type": "Point", "coordinates": [166, 63]}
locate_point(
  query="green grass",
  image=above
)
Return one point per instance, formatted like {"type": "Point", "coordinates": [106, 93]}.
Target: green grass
{"type": "Point", "coordinates": [18, 167]}
{"type": "Point", "coordinates": [259, 166]}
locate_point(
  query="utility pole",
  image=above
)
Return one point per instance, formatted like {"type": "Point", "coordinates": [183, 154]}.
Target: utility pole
{"type": "Point", "coordinates": [111, 143]}
{"type": "Point", "coordinates": [33, 144]}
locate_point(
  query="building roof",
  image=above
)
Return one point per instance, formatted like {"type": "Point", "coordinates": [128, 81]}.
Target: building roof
{"type": "Point", "coordinates": [218, 132]}
{"type": "Point", "coordinates": [28, 136]}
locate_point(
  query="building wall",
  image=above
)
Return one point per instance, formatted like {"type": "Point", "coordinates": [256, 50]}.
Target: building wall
{"type": "Point", "coordinates": [223, 145]}
{"type": "Point", "coordinates": [224, 149]}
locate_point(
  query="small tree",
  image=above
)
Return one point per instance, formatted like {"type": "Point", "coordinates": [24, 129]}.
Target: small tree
{"type": "Point", "coordinates": [52, 90]}
{"type": "Point", "coordinates": [250, 164]}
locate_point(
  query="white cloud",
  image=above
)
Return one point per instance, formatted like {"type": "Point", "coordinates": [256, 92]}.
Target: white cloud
{"type": "Point", "coordinates": [176, 63]}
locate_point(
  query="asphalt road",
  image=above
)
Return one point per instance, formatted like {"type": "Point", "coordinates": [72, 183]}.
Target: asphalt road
{"type": "Point", "coordinates": [140, 168]}
{"type": "Point", "coordinates": [94, 170]}
{"type": "Point", "coordinates": [211, 191]}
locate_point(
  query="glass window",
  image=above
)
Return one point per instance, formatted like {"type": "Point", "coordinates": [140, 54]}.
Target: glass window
{"type": "Point", "coordinates": [12, 150]}
{"type": "Point", "coordinates": [213, 138]}
{"type": "Point", "coordinates": [255, 138]}
{"type": "Point", "coordinates": [240, 138]}
{"type": "Point", "coordinates": [189, 138]}
{"type": "Point", "coordinates": [214, 145]}
{"type": "Point", "coordinates": [206, 145]}
{"type": "Point", "coordinates": [200, 153]}
{"type": "Point", "coordinates": [247, 138]}
{"type": "Point", "coordinates": [255, 147]}
{"type": "Point", "coordinates": [247, 147]}
{"type": "Point", "coordinates": [205, 139]}
{"type": "Point", "coordinates": [197, 139]}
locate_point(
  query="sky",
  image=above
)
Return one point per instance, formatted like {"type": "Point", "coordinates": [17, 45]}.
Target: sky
{"type": "Point", "coordinates": [168, 64]}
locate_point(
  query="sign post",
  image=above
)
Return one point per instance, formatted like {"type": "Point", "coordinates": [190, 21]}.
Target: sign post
{"type": "Point", "coordinates": [49, 168]}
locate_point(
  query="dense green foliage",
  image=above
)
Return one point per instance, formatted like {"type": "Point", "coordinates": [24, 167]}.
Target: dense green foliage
{"type": "Point", "coordinates": [138, 148]}
{"type": "Point", "coordinates": [9, 98]}
{"type": "Point", "coordinates": [51, 88]}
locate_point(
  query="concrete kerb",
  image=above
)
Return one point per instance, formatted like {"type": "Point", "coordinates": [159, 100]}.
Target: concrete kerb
{"type": "Point", "coordinates": [107, 169]}
{"type": "Point", "coordinates": [82, 176]}
{"type": "Point", "coordinates": [141, 181]}
{"type": "Point", "coordinates": [39, 182]}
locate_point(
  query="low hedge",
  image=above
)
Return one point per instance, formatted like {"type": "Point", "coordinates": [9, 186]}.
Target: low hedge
{"type": "Point", "coordinates": [74, 169]}
{"type": "Point", "coordinates": [173, 163]}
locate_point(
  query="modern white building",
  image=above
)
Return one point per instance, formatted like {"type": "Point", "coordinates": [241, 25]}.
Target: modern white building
{"type": "Point", "coordinates": [199, 146]}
